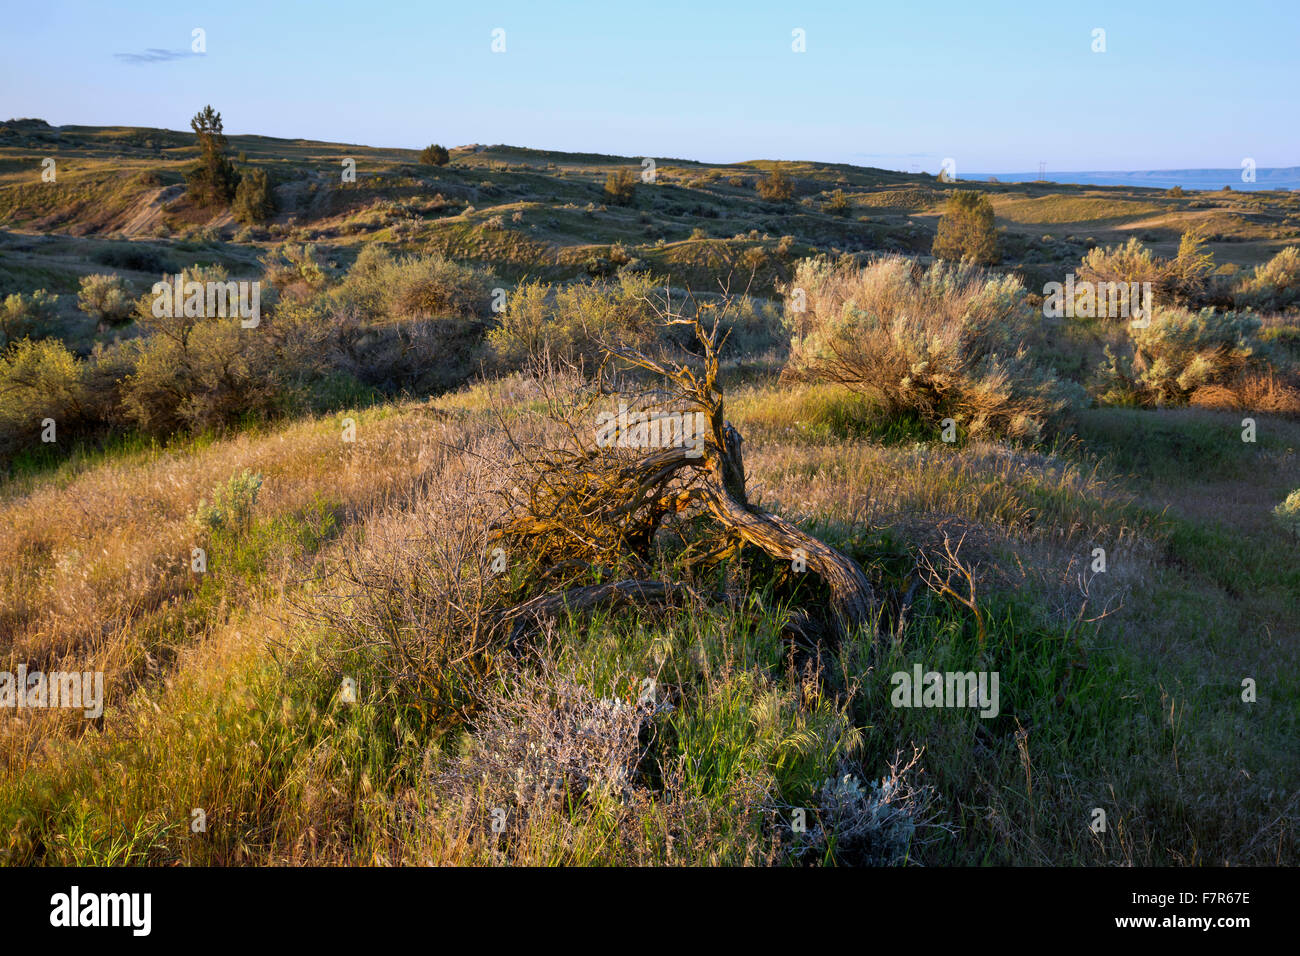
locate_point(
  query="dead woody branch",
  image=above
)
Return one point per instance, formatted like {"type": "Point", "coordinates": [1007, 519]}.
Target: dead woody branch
{"type": "Point", "coordinates": [599, 500]}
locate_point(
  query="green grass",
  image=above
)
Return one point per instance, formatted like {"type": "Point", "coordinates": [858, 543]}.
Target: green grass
{"type": "Point", "coordinates": [1160, 445]}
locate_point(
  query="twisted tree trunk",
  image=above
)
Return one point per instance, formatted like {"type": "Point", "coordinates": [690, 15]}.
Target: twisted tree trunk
{"type": "Point", "coordinates": [585, 506]}
{"type": "Point", "coordinates": [852, 598]}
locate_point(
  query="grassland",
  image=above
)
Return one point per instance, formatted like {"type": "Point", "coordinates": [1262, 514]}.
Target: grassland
{"type": "Point", "coordinates": [323, 694]}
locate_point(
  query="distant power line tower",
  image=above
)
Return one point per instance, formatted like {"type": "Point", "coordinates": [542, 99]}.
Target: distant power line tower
{"type": "Point", "coordinates": [1042, 170]}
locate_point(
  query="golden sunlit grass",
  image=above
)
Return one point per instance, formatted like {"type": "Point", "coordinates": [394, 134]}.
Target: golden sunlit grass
{"type": "Point", "coordinates": [90, 554]}
{"type": "Point", "coordinates": [243, 719]}
{"type": "Point", "coordinates": [1058, 209]}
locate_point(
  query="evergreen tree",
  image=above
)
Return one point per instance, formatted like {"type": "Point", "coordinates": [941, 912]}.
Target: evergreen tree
{"type": "Point", "coordinates": [435, 155]}
{"type": "Point", "coordinates": [254, 201]}
{"type": "Point", "coordinates": [213, 180]}
{"type": "Point", "coordinates": [966, 229]}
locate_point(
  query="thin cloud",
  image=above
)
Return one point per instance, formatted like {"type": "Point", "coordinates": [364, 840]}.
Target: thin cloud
{"type": "Point", "coordinates": [154, 55]}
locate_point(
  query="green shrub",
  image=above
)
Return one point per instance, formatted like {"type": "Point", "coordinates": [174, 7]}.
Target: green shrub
{"type": "Point", "coordinates": [1288, 512]}
{"type": "Point", "coordinates": [754, 259]}
{"type": "Point", "coordinates": [1283, 338]}
{"type": "Point", "coordinates": [525, 327]}
{"type": "Point", "coordinates": [194, 273]}
{"type": "Point", "coordinates": [838, 203]}
{"type": "Point", "coordinates": [201, 374]}
{"type": "Point", "coordinates": [572, 322]}
{"type": "Point", "coordinates": [776, 186]}
{"type": "Point", "coordinates": [38, 381]}
{"type": "Point", "coordinates": [434, 155]}
{"type": "Point", "coordinates": [366, 284]}
{"type": "Point", "coordinates": [105, 298]}
{"type": "Point", "coordinates": [1179, 352]}
{"type": "Point", "coordinates": [380, 287]}
{"type": "Point", "coordinates": [1192, 269]}
{"type": "Point", "coordinates": [1274, 286]}
{"type": "Point", "coordinates": [294, 269]}
{"type": "Point", "coordinates": [23, 316]}
{"type": "Point", "coordinates": [598, 267]}
{"type": "Point", "coordinates": [254, 200]}
{"type": "Point", "coordinates": [232, 504]}
{"type": "Point", "coordinates": [948, 342]}
{"type": "Point", "coordinates": [966, 229]}
{"type": "Point", "coordinates": [136, 256]}
{"type": "Point", "coordinates": [197, 373]}
{"type": "Point", "coordinates": [1126, 264]}
{"type": "Point", "coordinates": [620, 186]}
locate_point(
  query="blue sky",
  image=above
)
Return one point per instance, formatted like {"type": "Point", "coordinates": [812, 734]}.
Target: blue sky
{"type": "Point", "coordinates": [995, 86]}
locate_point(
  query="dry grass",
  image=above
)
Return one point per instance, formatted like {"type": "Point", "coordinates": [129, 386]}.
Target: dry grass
{"type": "Point", "coordinates": [1261, 392]}
{"type": "Point", "coordinates": [245, 719]}
{"type": "Point", "coordinates": [88, 555]}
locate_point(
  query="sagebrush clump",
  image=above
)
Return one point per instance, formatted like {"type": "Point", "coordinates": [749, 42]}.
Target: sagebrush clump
{"type": "Point", "coordinates": [105, 298]}
{"type": "Point", "coordinates": [1178, 352]}
{"type": "Point", "coordinates": [571, 321]}
{"type": "Point", "coordinates": [1288, 512]}
{"type": "Point", "coordinates": [231, 508]}
{"type": "Point", "coordinates": [23, 316]}
{"type": "Point", "coordinates": [1130, 263]}
{"type": "Point", "coordinates": [1274, 286]}
{"type": "Point", "coordinates": [381, 286]}
{"type": "Point", "coordinates": [545, 744]}
{"type": "Point", "coordinates": [880, 824]}
{"type": "Point", "coordinates": [41, 382]}
{"type": "Point", "coordinates": [948, 342]}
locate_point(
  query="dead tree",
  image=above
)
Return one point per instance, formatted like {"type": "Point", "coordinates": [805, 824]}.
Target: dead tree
{"type": "Point", "coordinates": [600, 500]}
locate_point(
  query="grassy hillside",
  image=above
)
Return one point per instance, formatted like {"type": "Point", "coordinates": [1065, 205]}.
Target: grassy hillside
{"type": "Point", "coordinates": [225, 690]}
{"type": "Point", "coordinates": [119, 184]}
{"type": "Point", "coordinates": [346, 571]}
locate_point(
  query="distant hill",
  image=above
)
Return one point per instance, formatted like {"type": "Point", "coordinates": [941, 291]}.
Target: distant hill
{"type": "Point", "coordinates": [1282, 177]}
{"type": "Point", "coordinates": [119, 201]}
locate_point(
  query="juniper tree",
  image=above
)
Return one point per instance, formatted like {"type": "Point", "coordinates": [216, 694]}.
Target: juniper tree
{"type": "Point", "coordinates": [435, 155]}
{"type": "Point", "coordinates": [254, 201]}
{"type": "Point", "coordinates": [966, 230]}
{"type": "Point", "coordinates": [213, 180]}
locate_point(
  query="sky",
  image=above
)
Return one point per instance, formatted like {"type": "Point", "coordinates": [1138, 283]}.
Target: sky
{"type": "Point", "coordinates": [994, 86]}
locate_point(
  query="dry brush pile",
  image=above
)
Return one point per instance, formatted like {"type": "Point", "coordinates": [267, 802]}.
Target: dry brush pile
{"type": "Point", "coordinates": [553, 512]}
{"type": "Point", "coordinates": [605, 497]}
